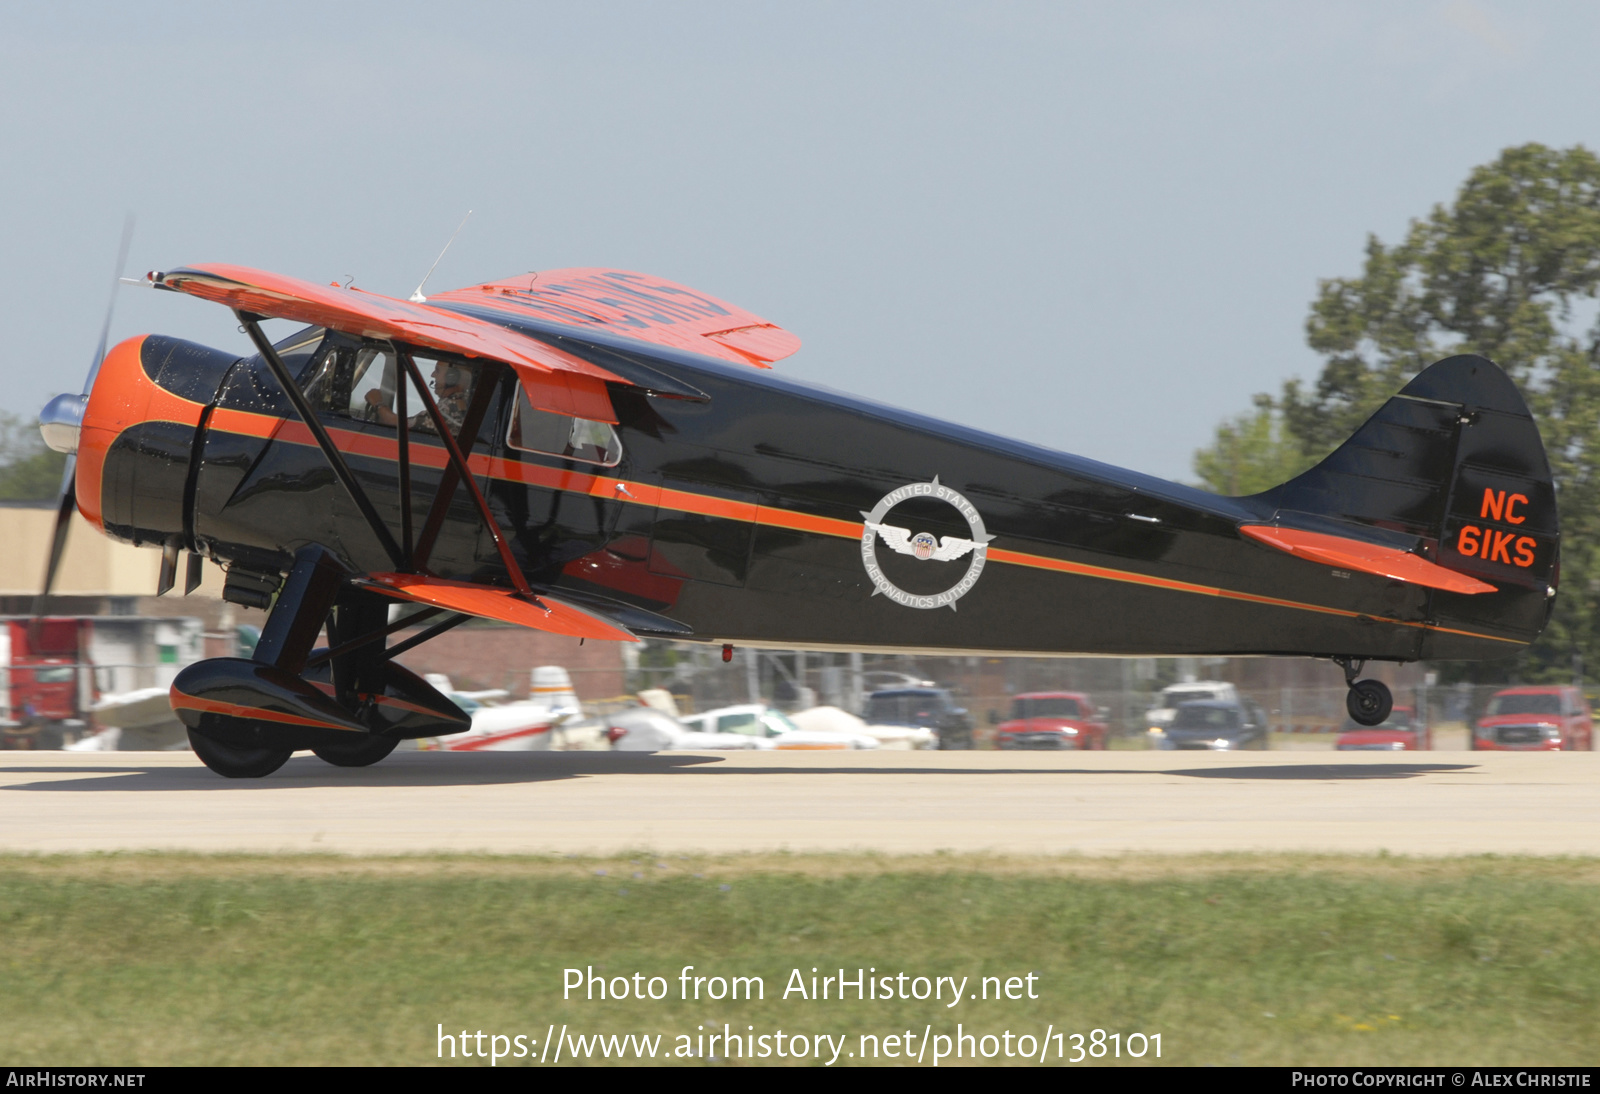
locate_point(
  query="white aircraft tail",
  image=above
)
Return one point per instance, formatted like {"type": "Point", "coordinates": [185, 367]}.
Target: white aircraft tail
{"type": "Point", "coordinates": [552, 686]}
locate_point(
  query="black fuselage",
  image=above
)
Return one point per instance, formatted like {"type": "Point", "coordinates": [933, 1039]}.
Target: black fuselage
{"type": "Point", "coordinates": [736, 515]}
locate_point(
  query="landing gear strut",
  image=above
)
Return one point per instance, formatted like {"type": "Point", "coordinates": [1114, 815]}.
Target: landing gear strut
{"type": "Point", "coordinates": [1369, 701]}
{"type": "Point", "coordinates": [349, 703]}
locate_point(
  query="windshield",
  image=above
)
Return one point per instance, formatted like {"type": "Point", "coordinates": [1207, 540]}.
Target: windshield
{"type": "Point", "coordinates": [1046, 708]}
{"type": "Point", "coordinates": [467, 705]}
{"type": "Point", "coordinates": [778, 724]}
{"type": "Point", "coordinates": [1178, 698]}
{"type": "Point", "coordinates": [918, 708]}
{"type": "Point", "coordinates": [1524, 704]}
{"type": "Point", "coordinates": [747, 722]}
{"type": "Point", "coordinates": [1219, 719]}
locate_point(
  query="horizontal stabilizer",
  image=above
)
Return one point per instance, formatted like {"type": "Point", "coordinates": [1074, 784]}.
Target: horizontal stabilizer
{"type": "Point", "coordinates": [1368, 558]}
{"type": "Point", "coordinates": [488, 602]}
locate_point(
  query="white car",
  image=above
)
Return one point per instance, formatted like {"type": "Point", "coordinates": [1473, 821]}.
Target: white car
{"type": "Point", "coordinates": [834, 720]}
{"type": "Point", "coordinates": [764, 723]}
{"type": "Point", "coordinates": [646, 729]}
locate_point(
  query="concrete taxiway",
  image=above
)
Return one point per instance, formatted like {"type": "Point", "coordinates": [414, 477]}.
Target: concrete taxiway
{"type": "Point", "coordinates": [1430, 803]}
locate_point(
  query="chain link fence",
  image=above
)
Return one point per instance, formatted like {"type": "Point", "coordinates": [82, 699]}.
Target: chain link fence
{"type": "Point", "coordinates": [1300, 715]}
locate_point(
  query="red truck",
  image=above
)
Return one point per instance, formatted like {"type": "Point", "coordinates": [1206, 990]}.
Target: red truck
{"type": "Point", "coordinates": [1402, 731]}
{"type": "Point", "coordinates": [1535, 718]}
{"type": "Point", "coordinates": [41, 697]}
{"type": "Point", "coordinates": [1052, 719]}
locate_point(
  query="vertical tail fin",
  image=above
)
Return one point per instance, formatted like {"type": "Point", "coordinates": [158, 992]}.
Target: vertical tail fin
{"type": "Point", "coordinates": [1452, 468]}
{"type": "Point", "coordinates": [553, 686]}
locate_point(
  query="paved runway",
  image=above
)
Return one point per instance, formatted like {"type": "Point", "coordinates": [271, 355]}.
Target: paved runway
{"type": "Point", "coordinates": [1431, 803]}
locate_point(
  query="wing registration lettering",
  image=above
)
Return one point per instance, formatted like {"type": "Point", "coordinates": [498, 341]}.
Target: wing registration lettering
{"type": "Point", "coordinates": [640, 306]}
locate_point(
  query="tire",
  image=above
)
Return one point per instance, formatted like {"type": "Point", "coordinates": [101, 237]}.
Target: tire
{"type": "Point", "coordinates": [1369, 702]}
{"type": "Point", "coordinates": [361, 752]}
{"type": "Point", "coordinates": [232, 762]}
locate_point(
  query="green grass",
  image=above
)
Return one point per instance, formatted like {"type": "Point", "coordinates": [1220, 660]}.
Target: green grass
{"type": "Point", "coordinates": [170, 959]}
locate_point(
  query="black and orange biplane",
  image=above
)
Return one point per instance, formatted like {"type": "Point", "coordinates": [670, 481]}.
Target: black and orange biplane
{"type": "Point", "coordinates": [607, 455]}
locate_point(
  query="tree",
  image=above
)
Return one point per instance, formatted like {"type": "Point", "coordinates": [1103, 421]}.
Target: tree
{"type": "Point", "coordinates": [1252, 452]}
{"type": "Point", "coordinates": [1510, 270]}
{"type": "Point", "coordinates": [28, 470]}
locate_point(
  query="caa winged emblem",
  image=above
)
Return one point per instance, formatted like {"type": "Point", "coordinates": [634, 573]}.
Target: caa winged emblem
{"type": "Point", "coordinates": [921, 545]}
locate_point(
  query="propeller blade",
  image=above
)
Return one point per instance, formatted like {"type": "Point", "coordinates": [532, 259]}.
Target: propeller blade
{"type": "Point", "coordinates": [111, 305]}
{"type": "Point", "coordinates": [58, 540]}
{"type": "Point", "coordinates": [67, 501]}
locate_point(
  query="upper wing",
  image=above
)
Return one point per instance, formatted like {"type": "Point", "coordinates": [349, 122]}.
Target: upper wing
{"type": "Point", "coordinates": [554, 380]}
{"type": "Point", "coordinates": [637, 305]}
{"type": "Point", "coordinates": [897, 538]}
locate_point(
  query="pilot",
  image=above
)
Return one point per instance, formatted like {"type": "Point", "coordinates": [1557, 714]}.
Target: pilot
{"type": "Point", "coordinates": [451, 385]}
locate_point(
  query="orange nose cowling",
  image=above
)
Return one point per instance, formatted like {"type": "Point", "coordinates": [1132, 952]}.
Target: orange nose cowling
{"type": "Point", "coordinates": [123, 395]}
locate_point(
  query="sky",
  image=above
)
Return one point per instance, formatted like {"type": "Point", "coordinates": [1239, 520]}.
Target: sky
{"type": "Point", "coordinates": [1093, 227]}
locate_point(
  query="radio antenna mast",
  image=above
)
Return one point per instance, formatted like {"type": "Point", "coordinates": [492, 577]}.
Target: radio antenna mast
{"type": "Point", "coordinates": [417, 297]}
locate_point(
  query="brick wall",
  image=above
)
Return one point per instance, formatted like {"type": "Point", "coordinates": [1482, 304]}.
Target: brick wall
{"type": "Point", "coordinates": [478, 657]}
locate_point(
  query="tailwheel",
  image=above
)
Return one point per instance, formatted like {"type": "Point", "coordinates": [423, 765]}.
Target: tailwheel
{"type": "Point", "coordinates": [1369, 702]}
{"type": "Point", "coordinates": [235, 762]}
{"type": "Point", "coordinates": [360, 751]}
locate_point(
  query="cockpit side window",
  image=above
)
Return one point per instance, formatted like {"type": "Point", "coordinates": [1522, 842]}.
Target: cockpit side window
{"type": "Point", "coordinates": [551, 434]}
{"type": "Point", "coordinates": [359, 382]}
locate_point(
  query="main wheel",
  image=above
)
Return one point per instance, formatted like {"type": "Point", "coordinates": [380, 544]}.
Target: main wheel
{"type": "Point", "coordinates": [1369, 702]}
{"type": "Point", "coordinates": [360, 752]}
{"type": "Point", "coordinates": [232, 762]}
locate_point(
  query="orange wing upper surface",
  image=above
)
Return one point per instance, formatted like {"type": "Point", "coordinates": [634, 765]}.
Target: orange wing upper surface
{"type": "Point", "coordinates": [650, 309]}
{"type": "Point", "coordinates": [555, 380]}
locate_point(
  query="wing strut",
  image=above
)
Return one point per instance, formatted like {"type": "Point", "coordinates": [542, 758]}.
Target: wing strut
{"type": "Point", "coordinates": [405, 464]}
{"type": "Point", "coordinates": [423, 636]}
{"type": "Point", "coordinates": [372, 636]}
{"type": "Point", "coordinates": [470, 422]}
{"type": "Point", "coordinates": [341, 470]}
{"type": "Point", "coordinates": [458, 463]}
